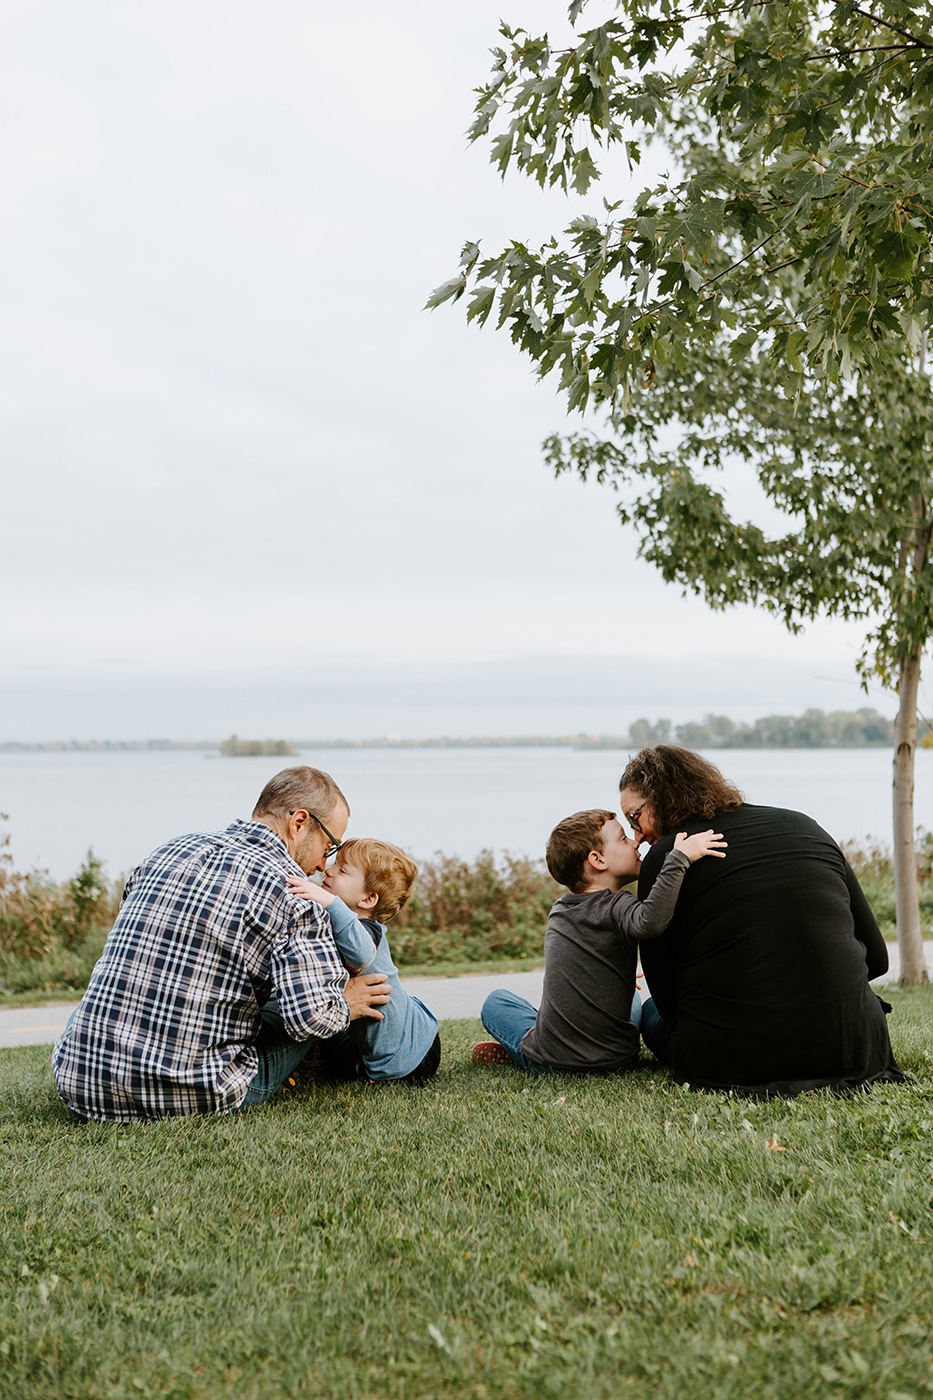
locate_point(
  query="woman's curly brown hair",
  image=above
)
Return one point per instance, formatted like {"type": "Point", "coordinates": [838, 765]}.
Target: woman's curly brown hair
{"type": "Point", "coordinates": [680, 785]}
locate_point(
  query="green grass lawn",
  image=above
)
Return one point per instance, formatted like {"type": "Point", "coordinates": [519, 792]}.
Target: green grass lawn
{"type": "Point", "coordinates": [488, 1236]}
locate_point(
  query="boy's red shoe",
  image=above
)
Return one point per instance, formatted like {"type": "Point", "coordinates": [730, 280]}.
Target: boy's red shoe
{"type": "Point", "coordinates": [490, 1052]}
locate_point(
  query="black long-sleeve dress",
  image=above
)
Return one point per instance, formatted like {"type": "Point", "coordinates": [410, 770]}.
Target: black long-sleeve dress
{"type": "Point", "coordinates": [763, 971]}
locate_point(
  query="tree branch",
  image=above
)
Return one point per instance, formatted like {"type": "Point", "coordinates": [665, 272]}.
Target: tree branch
{"type": "Point", "coordinates": [905, 33]}
{"type": "Point", "coordinates": [870, 48]}
{"type": "Point", "coordinates": [679, 18]}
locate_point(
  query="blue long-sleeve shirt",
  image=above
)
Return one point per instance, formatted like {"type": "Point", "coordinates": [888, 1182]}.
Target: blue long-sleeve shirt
{"type": "Point", "coordinates": [397, 1045]}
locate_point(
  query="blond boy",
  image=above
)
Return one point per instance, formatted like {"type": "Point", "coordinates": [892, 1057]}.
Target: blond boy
{"type": "Point", "coordinates": [366, 886]}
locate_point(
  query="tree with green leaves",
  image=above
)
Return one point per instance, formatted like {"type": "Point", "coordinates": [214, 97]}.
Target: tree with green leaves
{"type": "Point", "coordinates": [764, 307]}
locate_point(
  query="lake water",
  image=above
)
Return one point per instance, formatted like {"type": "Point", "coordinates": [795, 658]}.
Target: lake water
{"type": "Point", "coordinates": [453, 800]}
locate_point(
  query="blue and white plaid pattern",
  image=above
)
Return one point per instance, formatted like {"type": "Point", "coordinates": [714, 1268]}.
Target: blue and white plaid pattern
{"type": "Point", "coordinates": [206, 931]}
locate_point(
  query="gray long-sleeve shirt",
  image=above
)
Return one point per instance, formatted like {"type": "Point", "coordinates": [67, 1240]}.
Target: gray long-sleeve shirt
{"type": "Point", "coordinates": [589, 973]}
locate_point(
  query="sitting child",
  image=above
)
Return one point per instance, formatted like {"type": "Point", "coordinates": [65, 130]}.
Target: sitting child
{"type": "Point", "coordinates": [373, 877]}
{"type": "Point", "coordinates": [588, 1021]}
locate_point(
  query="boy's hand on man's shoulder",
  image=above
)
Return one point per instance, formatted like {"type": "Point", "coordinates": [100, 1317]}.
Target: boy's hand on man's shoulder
{"type": "Point", "coordinates": [307, 889]}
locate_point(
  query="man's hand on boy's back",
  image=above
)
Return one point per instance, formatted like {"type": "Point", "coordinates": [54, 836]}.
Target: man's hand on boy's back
{"type": "Point", "coordinates": [704, 843]}
{"type": "Point", "coordinates": [365, 993]}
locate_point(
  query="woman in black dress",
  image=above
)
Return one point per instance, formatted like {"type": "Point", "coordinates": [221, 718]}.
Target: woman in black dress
{"type": "Point", "coordinates": [760, 982]}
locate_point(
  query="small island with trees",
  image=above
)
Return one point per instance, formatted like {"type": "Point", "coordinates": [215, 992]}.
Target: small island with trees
{"type": "Point", "coordinates": [235, 747]}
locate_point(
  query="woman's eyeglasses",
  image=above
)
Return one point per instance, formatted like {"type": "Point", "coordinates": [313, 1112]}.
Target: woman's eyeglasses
{"type": "Point", "coordinates": [632, 817]}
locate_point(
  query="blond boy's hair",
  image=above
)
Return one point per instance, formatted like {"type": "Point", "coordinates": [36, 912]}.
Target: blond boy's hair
{"type": "Point", "coordinates": [389, 873]}
{"type": "Point", "coordinates": [571, 842]}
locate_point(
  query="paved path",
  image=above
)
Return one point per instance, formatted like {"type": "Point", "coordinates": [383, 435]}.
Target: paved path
{"type": "Point", "coordinates": [450, 998]}
{"type": "Point", "coordinates": [34, 1025]}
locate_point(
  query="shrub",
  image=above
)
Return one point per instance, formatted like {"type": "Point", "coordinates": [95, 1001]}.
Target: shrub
{"type": "Point", "coordinates": [51, 933]}
{"type": "Point", "coordinates": [874, 866]}
{"type": "Point", "coordinates": [474, 912]}
{"type": "Point", "coordinates": [461, 911]}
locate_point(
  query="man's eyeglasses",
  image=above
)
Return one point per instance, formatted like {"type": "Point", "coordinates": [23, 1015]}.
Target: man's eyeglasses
{"type": "Point", "coordinates": [334, 846]}
{"type": "Point", "coordinates": [632, 817]}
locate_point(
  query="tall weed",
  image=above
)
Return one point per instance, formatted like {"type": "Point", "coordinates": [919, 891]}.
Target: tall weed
{"type": "Point", "coordinates": [464, 911]}
{"type": "Point", "coordinates": [485, 910]}
{"type": "Point", "coordinates": [874, 865]}
{"type": "Point", "coordinates": [51, 933]}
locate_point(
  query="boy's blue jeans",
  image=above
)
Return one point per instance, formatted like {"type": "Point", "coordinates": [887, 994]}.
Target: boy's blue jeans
{"type": "Point", "coordinates": [508, 1017]}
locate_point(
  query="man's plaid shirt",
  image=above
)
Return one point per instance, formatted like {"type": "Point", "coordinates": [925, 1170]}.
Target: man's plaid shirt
{"type": "Point", "coordinates": [206, 931]}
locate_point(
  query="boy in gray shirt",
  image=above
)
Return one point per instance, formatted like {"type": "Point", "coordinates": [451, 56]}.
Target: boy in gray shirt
{"type": "Point", "coordinates": [588, 1019]}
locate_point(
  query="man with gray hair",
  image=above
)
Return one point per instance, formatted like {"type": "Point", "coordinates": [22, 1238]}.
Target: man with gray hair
{"type": "Point", "coordinates": [215, 978]}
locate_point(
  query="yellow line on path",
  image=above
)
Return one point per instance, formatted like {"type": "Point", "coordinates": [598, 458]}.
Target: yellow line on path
{"type": "Point", "coordinates": [30, 1030]}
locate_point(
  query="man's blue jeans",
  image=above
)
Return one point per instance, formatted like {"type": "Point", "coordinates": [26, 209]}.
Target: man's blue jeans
{"type": "Point", "coordinates": [278, 1056]}
{"type": "Point", "coordinates": [508, 1018]}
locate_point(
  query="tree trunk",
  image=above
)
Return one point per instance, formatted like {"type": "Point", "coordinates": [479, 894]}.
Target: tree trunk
{"type": "Point", "coordinates": [907, 898]}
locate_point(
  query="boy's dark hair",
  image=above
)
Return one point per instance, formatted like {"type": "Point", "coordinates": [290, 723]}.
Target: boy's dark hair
{"type": "Point", "coordinates": [570, 843]}
{"type": "Point", "coordinates": [680, 785]}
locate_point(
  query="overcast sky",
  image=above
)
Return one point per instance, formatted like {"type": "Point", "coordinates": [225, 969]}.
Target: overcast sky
{"type": "Point", "coordinates": [248, 483]}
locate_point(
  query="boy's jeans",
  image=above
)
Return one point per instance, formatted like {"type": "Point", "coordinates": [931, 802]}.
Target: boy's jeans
{"type": "Point", "coordinates": [508, 1017]}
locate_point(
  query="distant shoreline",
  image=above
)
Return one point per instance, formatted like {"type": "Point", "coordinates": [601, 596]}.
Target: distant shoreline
{"type": "Point", "coordinates": [814, 729]}
{"type": "Point", "coordinates": [489, 742]}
